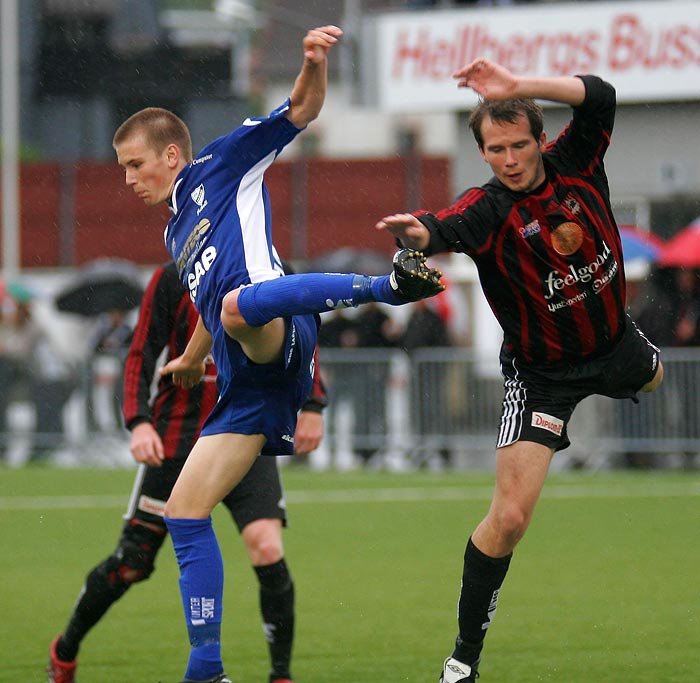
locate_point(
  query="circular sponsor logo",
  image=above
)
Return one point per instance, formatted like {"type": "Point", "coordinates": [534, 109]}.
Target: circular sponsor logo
{"type": "Point", "coordinates": [567, 238]}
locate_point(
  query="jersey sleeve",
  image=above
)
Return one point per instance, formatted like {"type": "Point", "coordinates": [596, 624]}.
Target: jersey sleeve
{"type": "Point", "coordinates": [585, 140]}
{"type": "Point", "coordinates": [151, 335]}
{"type": "Point", "coordinates": [466, 226]}
{"type": "Point", "coordinates": [256, 138]}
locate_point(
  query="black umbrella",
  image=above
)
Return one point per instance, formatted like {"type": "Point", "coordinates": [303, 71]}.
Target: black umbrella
{"type": "Point", "coordinates": [100, 286]}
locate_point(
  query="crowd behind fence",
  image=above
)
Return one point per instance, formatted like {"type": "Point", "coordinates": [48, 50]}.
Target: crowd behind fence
{"type": "Point", "coordinates": [435, 407]}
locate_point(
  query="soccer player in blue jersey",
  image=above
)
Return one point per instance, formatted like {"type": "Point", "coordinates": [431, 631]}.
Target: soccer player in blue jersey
{"type": "Point", "coordinates": [261, 327]}
{"type": "Point", "coordinates": [543, 237]}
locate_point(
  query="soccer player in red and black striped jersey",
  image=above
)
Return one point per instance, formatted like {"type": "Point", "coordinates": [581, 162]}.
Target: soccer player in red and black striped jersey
{"type": "Point", "coordinates": [164, 428]}
{"type": "Point", "coordinates": [543, 237]}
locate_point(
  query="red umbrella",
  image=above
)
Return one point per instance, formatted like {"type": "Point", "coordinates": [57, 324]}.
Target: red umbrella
{"type": "Point", "coordinates": [683, 250]}
{"type": "Point", "coordinates": [638, 244]}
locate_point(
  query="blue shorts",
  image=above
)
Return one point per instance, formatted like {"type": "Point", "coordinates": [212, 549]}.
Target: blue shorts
{"type": "Point", "coordinates": [264, 399]}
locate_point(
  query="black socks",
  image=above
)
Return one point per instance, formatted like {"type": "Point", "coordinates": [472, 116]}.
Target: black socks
{"type": "Point", "coordinates": [277, 607]}
{"type": "Point", "coordinates": [481, 582]}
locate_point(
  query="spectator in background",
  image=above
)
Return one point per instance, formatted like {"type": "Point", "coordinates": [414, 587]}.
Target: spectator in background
{"type": "Point", "coordinates": [32, 370]}
{"type": "Point", "coordinates": [18, 338]}
{"type": "Point", "coordinates": [376, 330]}
{"type": "Point", "coordinates": [686, 316]}
{"type": "Point", "coordinates": [338, 331]}
{"type": "Point", "coordinates": [686, 332]}
{"type": "Point", "coordinates": [654, 307]}
{"type": "Point", "coordinates": [54, 379]}
{"type": "Point", "coordinates": [668, 307]}
{"type": "Point", "coordinates": [110, 344]}
{"type": "Point", "coordinates": [426, 329]}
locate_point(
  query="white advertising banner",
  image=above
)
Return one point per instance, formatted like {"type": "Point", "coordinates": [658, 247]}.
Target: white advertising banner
{"type": "Point", "coordinates": [650, 51]}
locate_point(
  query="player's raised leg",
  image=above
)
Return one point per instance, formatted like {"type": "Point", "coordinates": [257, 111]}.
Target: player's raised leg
{"type": "Point", "coordinates": [247, 310]}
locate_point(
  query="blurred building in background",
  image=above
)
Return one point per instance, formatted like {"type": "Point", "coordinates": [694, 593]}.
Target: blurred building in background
{"type": "Point", "coordinates": [392, 136]}
{"type": "Point", "coordinates": [393, 112]}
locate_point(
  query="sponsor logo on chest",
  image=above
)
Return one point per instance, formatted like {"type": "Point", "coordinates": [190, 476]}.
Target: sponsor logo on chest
{"type": "Point", "coordinates": [200, 269]}
{"type": "Point", "coordinates": [600, 272]}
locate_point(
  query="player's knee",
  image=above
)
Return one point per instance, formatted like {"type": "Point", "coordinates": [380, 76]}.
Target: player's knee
{"type": "Point", "coordinates": [136, 562]}
{"type": "Point", "coordinates": [134, 558]}
{"type": "Point", "coordinates": [266, 553]}
{"type": "Point", "coordinates": [512, 522]}
{"type": "Point", "coordinates": [263, 541]}
{"type": "Point", "coordinates": [658, 378]}
{"type": "Point", "coordinates": [120, 570]}
{"type": "Point", "coordinates": [231, 318]}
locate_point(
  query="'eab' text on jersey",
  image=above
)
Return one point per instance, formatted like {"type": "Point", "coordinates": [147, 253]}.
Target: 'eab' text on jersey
{"type": "Point", "coordinates": [201, 267]}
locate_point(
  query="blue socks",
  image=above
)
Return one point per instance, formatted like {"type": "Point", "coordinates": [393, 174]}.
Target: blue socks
{"type": "Point", "coordinates": [202, 587]}
{"type": "Point", "coordinates": [311, 293]}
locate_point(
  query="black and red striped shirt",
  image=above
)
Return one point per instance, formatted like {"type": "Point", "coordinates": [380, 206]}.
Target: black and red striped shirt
{"type": "Point", "coordinates": [549, 261]}
{"type": "Point", "coordinates": [167, 319]}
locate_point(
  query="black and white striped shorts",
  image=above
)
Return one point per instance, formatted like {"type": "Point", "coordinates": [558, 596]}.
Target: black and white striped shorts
{"type": "Point", "coordinates": [539, 400]}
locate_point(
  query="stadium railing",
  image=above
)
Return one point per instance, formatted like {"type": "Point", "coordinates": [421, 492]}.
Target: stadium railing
{"type": "Point", "coordinates": [435, 406]}
{"type": "Point", "coordinates": [449, 399]}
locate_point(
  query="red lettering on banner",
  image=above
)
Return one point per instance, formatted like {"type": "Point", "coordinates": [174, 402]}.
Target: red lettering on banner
{"type": "Point", "coordinates": [633, 45]}
{"type": "Point", "coordinates": [441, 59]}
{"type": "Point", "coordinates": [420, 55]}
{"type": "Point", "coordinates": [565, 53]}
{"type": "Point", "coordinates": [406, 54]}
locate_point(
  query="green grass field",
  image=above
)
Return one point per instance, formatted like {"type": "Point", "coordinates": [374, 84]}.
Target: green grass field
{"type": "Point", "coordinates": [604, 587]}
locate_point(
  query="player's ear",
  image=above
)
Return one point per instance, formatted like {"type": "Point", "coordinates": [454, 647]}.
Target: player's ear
{"type": "Point", "coordinates": [543, 142]}
{"type": "Point", "coordinates": [173, 155]}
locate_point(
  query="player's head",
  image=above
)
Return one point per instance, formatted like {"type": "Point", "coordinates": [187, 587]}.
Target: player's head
{"type": "Point", "coordinates": [506, 111]}
{"type": "Point", "coordinates": [153, 146]}
{"type": "Point", "coordinates": [510, 136]}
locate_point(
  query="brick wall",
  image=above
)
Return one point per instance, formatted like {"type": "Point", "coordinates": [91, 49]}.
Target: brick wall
{"type": "Point", "coordinates": [86, 212]}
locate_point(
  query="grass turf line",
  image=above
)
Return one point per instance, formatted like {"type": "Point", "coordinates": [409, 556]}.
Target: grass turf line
{"type": "Point", "coordinates": [601, 587]}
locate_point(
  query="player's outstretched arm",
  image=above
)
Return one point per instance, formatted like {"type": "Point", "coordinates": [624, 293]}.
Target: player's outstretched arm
{"type": "Point", "coordinates": [309, 90]}
{"type": "Point", "coordinates": [407, 229]}
{"type": "Point", "coordinates": [494, 82]}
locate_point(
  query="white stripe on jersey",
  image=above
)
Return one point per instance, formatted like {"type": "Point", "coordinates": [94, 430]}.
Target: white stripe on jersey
{"type": "Point", "coordinates": [172, 205]}
{"type": "Point", "coordinates": [513, 406]}
{"type": "Point", "coordinates": [251, 214]}
{"type": "Point", "coordinates": [173, 196]}
{"type": "Point", "coordinates": [277, 261]}
{"type": "Point", "coordinates": [643, 336]}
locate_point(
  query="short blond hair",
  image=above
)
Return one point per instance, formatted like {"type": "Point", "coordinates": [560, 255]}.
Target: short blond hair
{"type": "Point", "coordinates": [161, 128]}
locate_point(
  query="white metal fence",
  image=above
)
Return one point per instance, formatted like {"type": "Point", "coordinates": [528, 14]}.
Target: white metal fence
{"type": "Point", "coordinates": [435, 407]}
{"type": "Point", "coordinates": [408, 409]}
